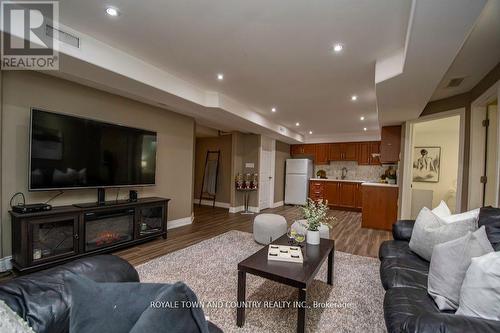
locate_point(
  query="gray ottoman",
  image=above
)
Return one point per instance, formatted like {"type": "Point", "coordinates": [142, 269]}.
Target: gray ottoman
{"type": "Point", "coordinates": [324, 231]}
{"type": "Point", "coordinates": [268, 227]}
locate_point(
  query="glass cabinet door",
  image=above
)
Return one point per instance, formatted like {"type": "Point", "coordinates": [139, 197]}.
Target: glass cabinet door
{"type": "Point", "coordinates": [53, 238]}
{"type": "Point", "coordinates": [150, 220]}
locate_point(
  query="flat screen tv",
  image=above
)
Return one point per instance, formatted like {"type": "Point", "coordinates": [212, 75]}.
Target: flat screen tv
{"type": "Point", "coordinates": [68, 152]}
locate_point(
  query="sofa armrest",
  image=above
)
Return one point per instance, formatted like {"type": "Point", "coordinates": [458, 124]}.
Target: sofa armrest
{"type": "Point", "coordinates": [451, 323]}
{"type": "Point", "coordinates": [402, 229]}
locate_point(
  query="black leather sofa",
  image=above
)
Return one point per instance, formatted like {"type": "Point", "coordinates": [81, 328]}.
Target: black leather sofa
{"type": "Point", "coordinates": [43, 301]}
{"type": "Point", "coordinates": [407, 306]}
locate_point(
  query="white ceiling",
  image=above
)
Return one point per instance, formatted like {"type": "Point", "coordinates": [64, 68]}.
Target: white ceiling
{"type": "Point", "coordinates": [479, 54]}
{"type": "Point", "coordinates": [271, 54]}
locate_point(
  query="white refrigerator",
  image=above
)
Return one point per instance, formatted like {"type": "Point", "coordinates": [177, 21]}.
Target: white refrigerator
{"type": "Point", "coordinates": [298, 173]}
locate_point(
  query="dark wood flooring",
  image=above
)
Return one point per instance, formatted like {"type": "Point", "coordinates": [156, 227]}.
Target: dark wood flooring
{"type": "Point", "coordinates": [209, 222]}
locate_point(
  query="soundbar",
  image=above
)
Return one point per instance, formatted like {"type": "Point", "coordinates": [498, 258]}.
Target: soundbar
{"type": "Point", "coordinates": [33, 208]}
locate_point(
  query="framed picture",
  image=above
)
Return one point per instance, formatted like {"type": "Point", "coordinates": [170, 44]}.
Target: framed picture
{"type": "Point", "coordinates": [426, 164]}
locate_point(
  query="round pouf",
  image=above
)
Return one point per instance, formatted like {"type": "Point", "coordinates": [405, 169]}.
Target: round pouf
{"type": "Point", "coordinates": [268, 227]}
{"type": "Point", "coordinates": [324, 231]}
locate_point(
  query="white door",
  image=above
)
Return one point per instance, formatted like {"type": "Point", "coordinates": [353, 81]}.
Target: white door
{"type": "Point", "coordinates": [266, 175]}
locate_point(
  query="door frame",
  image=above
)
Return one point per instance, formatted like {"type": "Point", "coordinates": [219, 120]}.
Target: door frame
{"type": "Point", "coordinates": [478, 110]}
{"type": "Point", "coordinates": [272, 171]}
{"type": "Point", "coordinates": [406, 188]}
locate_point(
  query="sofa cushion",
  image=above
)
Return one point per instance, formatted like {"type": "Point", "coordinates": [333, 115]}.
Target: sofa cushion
{"type": "Point", "coordinates": [490, 218]}
{"type": "Point", "coordinates": [442, 210]}
{"type": "Point", "coordinates": [395, 249]}
{"type": "Point", "coordinates": [430, 230]}
{"type": "Point", "coordinates": [404, 272]}
{"type": "Point", "coordinates": [133, 307]}
{"type": "Point", "coordinates": [402, 229]}
{"type": "Point", "coordinates": [450, 262]}
{"type": "Point", "coordinates": [41, 299]}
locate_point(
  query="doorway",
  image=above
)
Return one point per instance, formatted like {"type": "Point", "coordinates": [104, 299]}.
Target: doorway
{"type": "Point", "coordinates": [490, 176]}
{"type": "Point", "coordinates": [266, 172]}
{"type": "Point", "coordinates": [433, 163]}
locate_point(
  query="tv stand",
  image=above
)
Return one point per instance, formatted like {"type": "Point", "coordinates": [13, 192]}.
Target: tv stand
{"type": "Point", "coordinates": [102, 204]}
{"type": "Point", "coordinates": [48, 238]}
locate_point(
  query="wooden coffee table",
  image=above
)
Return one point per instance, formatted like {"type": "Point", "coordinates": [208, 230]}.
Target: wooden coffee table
{"type": "Point", "coordinates": [292, 274]}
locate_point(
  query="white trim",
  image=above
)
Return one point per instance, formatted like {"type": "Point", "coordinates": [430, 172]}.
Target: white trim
{"type": "Point", "coordinates": [6, 264]}
{"type": "Point", "coordinates": [210, 203]}
{"type": "Point", "coordinates": [273, 172]}
{"type": "Point", "coordinates": [238, 209]}
{"type": "Point", "coordinates": [179, 222]}
{"type": "Point", "coordinates": [407, 174]}
{"type": "Point", "coordinates": [278, 204]}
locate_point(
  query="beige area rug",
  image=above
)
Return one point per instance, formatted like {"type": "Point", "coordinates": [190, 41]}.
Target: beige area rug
{"type": "Point", "coordinates": [354, 302]}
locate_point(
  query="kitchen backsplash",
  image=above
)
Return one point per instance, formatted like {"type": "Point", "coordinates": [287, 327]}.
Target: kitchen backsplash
{"type": "Point", "coordinates": [354, 171]}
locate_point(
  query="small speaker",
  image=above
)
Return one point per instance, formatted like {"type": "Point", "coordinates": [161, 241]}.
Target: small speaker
{"type": "Point", "coordinates": [132, 195]}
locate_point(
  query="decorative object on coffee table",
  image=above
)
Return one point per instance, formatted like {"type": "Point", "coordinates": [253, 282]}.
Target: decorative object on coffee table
{"type": "Point", "coordinates": [315, 214]}
{"type": "Point", "coordinates": [285, 253]}
{"type": "Point", "coordinates": [298, 276]}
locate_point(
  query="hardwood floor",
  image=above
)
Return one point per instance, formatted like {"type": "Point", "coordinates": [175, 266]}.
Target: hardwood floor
{"type": "Point", "coordinates": [209, 222]}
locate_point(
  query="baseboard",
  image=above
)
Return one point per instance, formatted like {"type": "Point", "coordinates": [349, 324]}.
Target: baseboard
{"type": "Point", "coordinates": [179, 222]}
{"type": "Point", "coordinates": [278, 204]}
{"type": "Point", "coordinates": [238, 209]}
{"type": "Point", "coordinates": [5, 264]}
{"type": "Point", "coordinates": [210, 203]}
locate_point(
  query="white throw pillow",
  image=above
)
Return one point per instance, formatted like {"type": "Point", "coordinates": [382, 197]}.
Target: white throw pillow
{"type": "Point", "coordinates": [471, 214]}
{"type": "Point", "coordinates": [480, 293]}
{"type": "Point", "coordinates": [442, 210]}
{"type": "Point", "coordinates": [430, 230]}
{"type": "Point", "coordinates": [450, 262]}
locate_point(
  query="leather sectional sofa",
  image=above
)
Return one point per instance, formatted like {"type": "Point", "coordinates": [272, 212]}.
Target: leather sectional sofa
{"type": "Point", "coordinates": [43, 301]}
{"type": "Point", "coordinates": [407, 306]}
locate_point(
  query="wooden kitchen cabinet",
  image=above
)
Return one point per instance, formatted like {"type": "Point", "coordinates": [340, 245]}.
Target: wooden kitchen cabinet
{"type": "Point", "coordinates": [335, 153]}
{"type": "Point", "coordinates": [347, 197]}
{"type": "Point", "coordinates": [380, 206]}
{"type": "Point", "coordinates": [316, 190]}
{"type": "Point", "coordinates": [359, 196]}
{"type": "Point", "coordinates": [332, 193]}
{"type": "Point", "coordinates": [305, 149]}
{"type": "Point", "coordinates": [343, 151]}
{"type": "Point", "coordinates": [340, 194]}
{"type": "Point", "coordinates": [366, 151]}
{"type": "Point", "coordinates": [390, 145]}
{"type": "Point", "coordinates": [375, 149]}
{"type": "Point", "coordinates": [321, 154]}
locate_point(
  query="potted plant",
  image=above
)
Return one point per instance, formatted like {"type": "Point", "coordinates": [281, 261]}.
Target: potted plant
{"type": "Point", "coordinates": [315, 213]}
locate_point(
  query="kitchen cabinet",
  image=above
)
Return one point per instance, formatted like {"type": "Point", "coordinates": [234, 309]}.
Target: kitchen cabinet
{"type": "Point", "coordinates": [340, 194]}
{"type": "Point", "coordinates": [390, 145]}
{"type": "Point", "coordinates": [366, 151]}
{"type": "Point", "coordinates": [380, 206]}
{"type": "Point", "coordinates": [343, 151]}
{"type": "Point", "coordinates": [359, 196]}
{"type": "Point", "coordinates": [305, 149]}
{"type": "Point", "coordinates": [321, 154]}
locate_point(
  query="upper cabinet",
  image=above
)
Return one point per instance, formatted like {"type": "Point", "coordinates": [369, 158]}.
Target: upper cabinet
{"type": "Point", "coordinates": [390, 145]}
{"type": "Point", "coordinates": [306, 149]}
{"type": "Point", "coordinates": [368, 153]}
{"type": "Point", "coordinates": [343, 151]}
{"type": "Point", "coordinates": [322, 154]}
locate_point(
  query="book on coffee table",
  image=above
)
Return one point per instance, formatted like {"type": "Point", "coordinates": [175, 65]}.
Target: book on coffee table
{"type": "Point", "coordinates": [285, 253]}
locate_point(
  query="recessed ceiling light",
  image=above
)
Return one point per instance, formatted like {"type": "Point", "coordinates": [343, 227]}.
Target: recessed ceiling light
{"type": "Point", "coordinates": [220, 76]}
{"type": "Point", "coordinates": [111, 11]}
{"type": "Point", "coordinates": [361, 118]}
{"type": "Point", "coordinates": [273, 109]}
{"type": "Point", "coordinates": [354, 98]}
{"type": "Point", "coordinates": [364, 129]}
{"type": "Point", "coordinates": [297, 124]}
{"type": "Point", "coordinates": [337, 47]}
{"type": "Point", "coordinates": [310, 132]}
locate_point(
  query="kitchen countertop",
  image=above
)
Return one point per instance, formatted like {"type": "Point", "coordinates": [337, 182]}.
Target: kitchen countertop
{"type": "Point", "coordinates": [379, 184]}
{"type": "Point", "coordinates": [338, 180]}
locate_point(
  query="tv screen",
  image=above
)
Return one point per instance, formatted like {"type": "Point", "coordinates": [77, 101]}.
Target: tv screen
{"type": "Point", "coordinates": [73, 152]}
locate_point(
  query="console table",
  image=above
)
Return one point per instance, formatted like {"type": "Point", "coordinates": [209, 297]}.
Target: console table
{"type": "Point", "coordinates": [246, 199]}
{"type": "Point", "coordinates": [43, 239]}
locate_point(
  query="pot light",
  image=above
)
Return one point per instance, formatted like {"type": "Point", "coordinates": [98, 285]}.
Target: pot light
{"type": "Point", "coordinates": [220, 76]}
{"type": "Point", "coordinates": [273, 109]}
{"type": "Point", "coordinates": [354, 98]}
{"type": "Point", "coordinates": [361, 118]}
{"type": "Point", "coordinates": [111, 11]}
{"type": "Point", "coordinates": [310, 132]}
{"type": "Point", "coordinates": [338, 47]}
{"type": "Point", "coordinates": [297, 124]}
{"type": "Point", "coordinates": [364, 129]}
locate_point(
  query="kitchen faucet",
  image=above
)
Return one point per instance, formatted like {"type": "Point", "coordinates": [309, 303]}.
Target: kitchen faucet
{"type": "Point", "coordinates": [344, 172]}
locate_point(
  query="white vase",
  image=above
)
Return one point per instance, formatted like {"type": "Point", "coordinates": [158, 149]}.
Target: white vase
{"type": "Point", "coordinates": [312, 237]}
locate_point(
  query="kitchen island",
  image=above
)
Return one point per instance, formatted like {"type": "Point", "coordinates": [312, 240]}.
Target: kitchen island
{"type": "Point", "coordinates": [380, 205]}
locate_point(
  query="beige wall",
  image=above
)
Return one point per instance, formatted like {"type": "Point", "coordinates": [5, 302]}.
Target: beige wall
{"type": "Point", "coordinates": [444, 133]}
{"type": "Point", "coordinates": [245, 150]}
{"type": "Point", "coordinates": [282, 153]}
{"type": "Point", "coordinates": [22, 90]}
{"type": "Point", "coordinates": [224, 180]}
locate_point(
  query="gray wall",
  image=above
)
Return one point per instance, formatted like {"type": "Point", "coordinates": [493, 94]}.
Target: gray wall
{"type": "Point", "coordinates": [22, 90]}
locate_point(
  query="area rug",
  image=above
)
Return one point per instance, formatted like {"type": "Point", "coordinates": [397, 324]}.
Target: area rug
{"type": "Point", "coordinates": [353, 304]}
